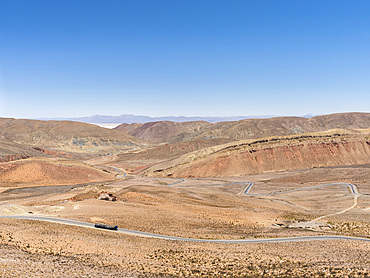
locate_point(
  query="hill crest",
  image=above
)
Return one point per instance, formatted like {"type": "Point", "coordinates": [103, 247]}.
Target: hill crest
{"type": "Point", "coordinates": [163, 132]}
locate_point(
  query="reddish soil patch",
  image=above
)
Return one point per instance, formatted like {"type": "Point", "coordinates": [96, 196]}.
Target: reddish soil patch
{"type": "Point", "coordinates": [48, 172]}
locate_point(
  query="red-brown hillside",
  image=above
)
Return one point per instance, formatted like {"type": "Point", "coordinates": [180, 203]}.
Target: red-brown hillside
{"type": "Point", "coordinates": [43, 171]}
{"type": "Point", "coordinates": [270, 154]}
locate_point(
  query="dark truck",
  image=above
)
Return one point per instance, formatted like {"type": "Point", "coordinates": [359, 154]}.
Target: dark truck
{"type": "Point", "coordinates": [104, 226]}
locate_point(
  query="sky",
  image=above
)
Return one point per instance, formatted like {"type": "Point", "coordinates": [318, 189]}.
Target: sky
{"type": "Point", "coordinates": [191, 57]}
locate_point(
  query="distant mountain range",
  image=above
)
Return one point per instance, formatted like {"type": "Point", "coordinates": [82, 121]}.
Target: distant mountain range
{"type": "Point", "coordinates": [164, 131]}
{"type": "Point", "coordinates": [129, 119]}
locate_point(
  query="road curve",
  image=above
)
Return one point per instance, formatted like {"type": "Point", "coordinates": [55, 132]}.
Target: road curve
{"type": "Point", "coordinates": [119, 171]}
{"type": "Point", "coordinates": [352, 188]}
{"type": "Point", "coordinates": [179, 181]}
{"type": "Point", "coordinates": [174, 238]}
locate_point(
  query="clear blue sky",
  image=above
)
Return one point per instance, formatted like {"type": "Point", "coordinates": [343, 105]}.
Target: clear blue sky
{"type": "Point", "coordinates": [170, 57]}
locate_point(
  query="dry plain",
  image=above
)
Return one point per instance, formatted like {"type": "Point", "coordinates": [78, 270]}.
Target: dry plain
{"type": "Point", "coordinates": [211, 208]}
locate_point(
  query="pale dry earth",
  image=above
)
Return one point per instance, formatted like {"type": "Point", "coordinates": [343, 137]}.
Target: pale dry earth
{"type": "Point", "coordinates": [198, 208]}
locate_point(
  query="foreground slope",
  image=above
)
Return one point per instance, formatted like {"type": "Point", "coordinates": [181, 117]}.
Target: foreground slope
{"type": "Point", "coordinates": [244, 129]}
{"type": "Point", "coordinates": [192, 209]}
{"type": "Point", "coordinates": [247, 157]}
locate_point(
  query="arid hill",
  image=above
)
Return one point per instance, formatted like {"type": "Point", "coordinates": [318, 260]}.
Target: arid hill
{"type": "Point", "coordinates": [32, 137]}
{"type": "Point", "coordinates": [45, 171]}
{"type": "Point", "coordinates": [245, 129]}
{"type": "Point", "coordinates": [168, 151]}
{"type": "Point", "coordinates": [9, 149]}
{"type": "Point", "coordinates": [247, 157]}
{"type": "Point", "coordinates": [136, 161]}
{"type": "Point", "coordinates": [160, 132]}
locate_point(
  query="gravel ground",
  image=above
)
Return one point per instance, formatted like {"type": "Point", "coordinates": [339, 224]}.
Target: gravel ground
{"type": "Point", "coordinates": [15, 262]}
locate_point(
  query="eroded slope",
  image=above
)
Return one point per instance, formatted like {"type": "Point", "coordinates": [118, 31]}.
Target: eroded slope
{"type": "Point", "coordinates": [271, 154]}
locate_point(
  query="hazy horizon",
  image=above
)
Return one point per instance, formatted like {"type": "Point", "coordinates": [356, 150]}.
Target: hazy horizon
{"type": "Point", "coordinates": [307, 115]}
{"type": "Point", "coordinates": [110, 121]}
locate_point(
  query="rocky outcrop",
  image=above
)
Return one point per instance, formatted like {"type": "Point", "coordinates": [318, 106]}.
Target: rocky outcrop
{"type": "Point", "coordinates": [52, 153]}
{"type": "Point", "coordinates": [12, 157]}
{"type": "Point", "coordinates": [107, 196]}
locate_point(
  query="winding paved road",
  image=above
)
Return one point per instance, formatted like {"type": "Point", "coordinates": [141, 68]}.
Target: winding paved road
{"type": "Point", "coordinates": [119, 171]}
{"type": "Point", "coordinates": [158, 236]}
{"type": "Point", "coordinates": [246, 190]}
{"type": "Point", "coordinates": [179, 181]}
{"type": "Point", "coordinates": [353, 188]}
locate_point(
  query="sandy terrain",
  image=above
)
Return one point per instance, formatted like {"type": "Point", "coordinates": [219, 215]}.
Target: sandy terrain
{"type": "Point", "coordinates": [93, 252]}
{"type": "Point", "coordinates": [199, 208]}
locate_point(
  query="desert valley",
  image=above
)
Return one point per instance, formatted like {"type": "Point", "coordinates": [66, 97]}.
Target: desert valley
{"type": "Point", "coordinates": [284, 196]}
